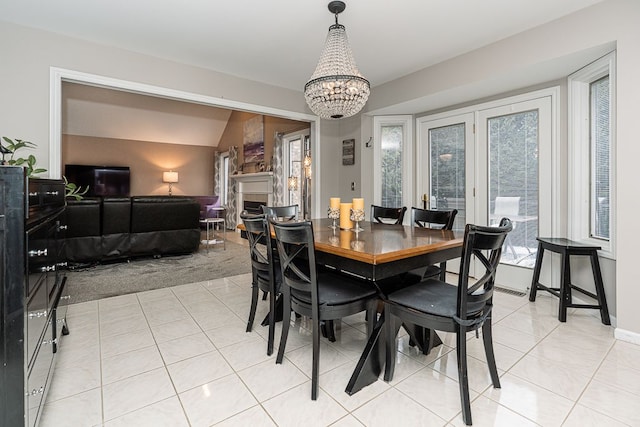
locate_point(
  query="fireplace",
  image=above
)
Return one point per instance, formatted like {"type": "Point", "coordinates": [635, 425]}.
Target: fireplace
{"type": "Point", "coordinates": [252, 203]}
{"type": "Point", "coordinates": [252, 191]}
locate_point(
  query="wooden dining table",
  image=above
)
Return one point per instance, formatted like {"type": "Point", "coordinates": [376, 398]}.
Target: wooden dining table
{"type": "Point", "coordinates": [378, 253]}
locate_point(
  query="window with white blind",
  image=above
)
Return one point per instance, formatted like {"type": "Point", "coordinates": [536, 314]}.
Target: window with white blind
{"type": "Point", "coordinates": [600, 158]}
{"type": "Point", "coordinates": [592, 144]}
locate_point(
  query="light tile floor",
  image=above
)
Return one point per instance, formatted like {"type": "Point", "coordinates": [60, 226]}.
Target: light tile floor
{"type": "Point", "coordinates": [180, 356]}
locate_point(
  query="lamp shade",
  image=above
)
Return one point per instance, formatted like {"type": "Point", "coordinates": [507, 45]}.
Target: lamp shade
{"type": "Point", "coordinates": [170, 176]}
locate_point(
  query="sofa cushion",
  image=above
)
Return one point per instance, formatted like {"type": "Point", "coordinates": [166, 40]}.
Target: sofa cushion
{"type": "Point", "coordinates": [207, 202]}
{"type": "Point", "coordinates": [163, 213]}
{"type": "Point", "coordinates": [116, 215]}
{"type": "Point", "coordinates": [82, 218]}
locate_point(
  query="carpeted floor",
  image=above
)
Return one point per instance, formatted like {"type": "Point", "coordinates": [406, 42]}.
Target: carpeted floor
{"type": "Point", "coordinates": [143, 274]}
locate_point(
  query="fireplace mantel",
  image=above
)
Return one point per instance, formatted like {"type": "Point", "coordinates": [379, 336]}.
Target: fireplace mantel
{"type": "Point", "coordinates": [258, 176]}
{"type": "Point", "coordinates": [248, 184]}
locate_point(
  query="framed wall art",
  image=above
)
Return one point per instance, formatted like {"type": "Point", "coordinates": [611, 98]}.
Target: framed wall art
{"type": "Point", "coordinates": [253, 140]}
{"type": "Point", "coordinates": [348, 152]}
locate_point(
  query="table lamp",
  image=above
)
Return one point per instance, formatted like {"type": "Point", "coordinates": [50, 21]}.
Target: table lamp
{"type": "Point", "coordinates": [170, 177]}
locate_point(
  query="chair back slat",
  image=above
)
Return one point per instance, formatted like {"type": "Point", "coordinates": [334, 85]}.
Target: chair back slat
{"type": "Point", "coordinates": [259, 240]}
{"type": "Point", "coordinates": [297, 255]}
{"type": "Point", "coordinates": [282, 213]}
{"type": "Point", "coordinates": [386, 215]}
{"type": "Point", "coordinates": [476, 240]}
{"type": "Point", "coordinates": [426, 218]}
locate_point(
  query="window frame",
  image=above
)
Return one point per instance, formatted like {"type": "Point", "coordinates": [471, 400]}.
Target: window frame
{"type": "Point", "coordinates": [406, 121]}
{"type": "Point", "coordinates": [304, 137]}
{"type": "Point", "coordinates": [580, 148]}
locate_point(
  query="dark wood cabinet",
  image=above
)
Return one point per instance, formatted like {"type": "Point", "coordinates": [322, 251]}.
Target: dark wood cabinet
{"type": "Point", "coordinates": [32, 273]}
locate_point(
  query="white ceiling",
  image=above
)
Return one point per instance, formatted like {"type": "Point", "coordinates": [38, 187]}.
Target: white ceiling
{"type": "Point", "coordinates": [279, 41]}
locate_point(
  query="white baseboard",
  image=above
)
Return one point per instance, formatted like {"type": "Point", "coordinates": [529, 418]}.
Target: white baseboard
{"type": "Point", "coordinates": [628, 336]}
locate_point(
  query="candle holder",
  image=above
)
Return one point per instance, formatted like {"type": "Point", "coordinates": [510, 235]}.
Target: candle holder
{"type": "Point", "coordinates": [357, 215]}
{"type": "Point", "coordinates": [357, 245]}
{"type": "Point", "coordinates": [333, 238]}
{"type": "Point", "coordinates": [334, 214]}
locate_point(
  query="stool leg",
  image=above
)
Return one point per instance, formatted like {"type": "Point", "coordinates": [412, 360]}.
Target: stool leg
{"type": "Point", "coordinates": [208, 225]}
{"type": "Point", "coordinates": [536, 274]}
{"type": "Point", "coordinates": [602, 299]}
{"type": "Point", "coordinates": [565, 288]}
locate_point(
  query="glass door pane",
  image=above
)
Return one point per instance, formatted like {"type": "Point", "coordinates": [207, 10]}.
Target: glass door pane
{"type": "Point", "coordinates": [391, 142]}
{"type": "Point", "coordinates": [514, 160]}
{"type": "Point", "coordinates": [513, 182]}
{"type": "Point", "coordinates": [447, 171]}
{"type": "Point", "coordinates": [294, 182]}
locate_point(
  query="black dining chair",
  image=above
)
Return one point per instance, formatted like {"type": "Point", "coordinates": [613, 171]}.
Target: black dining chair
{"type": "Point", "coordinates": [433, 219]}
{"type": "Point", "coordinates": [282, 213]}
{"type": "Point", "coordinates": [459, 309]}
{"type": "Point", "coordinates": [385, 215]}
{"type": "Point", "coordinates": [265, 270]}
{"type": "Point", "coordinates": [319, 295]}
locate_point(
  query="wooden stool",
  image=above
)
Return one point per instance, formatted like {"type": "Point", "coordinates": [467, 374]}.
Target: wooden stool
{"type": "Point", "coordinates": [566, 248]}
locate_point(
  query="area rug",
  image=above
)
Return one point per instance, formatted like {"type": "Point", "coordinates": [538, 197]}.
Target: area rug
{"type": "Point", "coordinates": [106, 280]}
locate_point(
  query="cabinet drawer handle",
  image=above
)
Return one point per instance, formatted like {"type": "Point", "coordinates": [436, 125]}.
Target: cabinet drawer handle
{"type": "Point", "coordinates": [48, 268]}
{"type": "Point", "coordinates": [35, 391]}
{"type": "Point", "coordinates": [38, 252]}
{"type": "Point", "coordinates": [51, 193]}
{"type": "Point", "coordinates": [65, 297]}
{"type": "Point", "coordinates": [37, 314]}
{"type": "Point", "coordinates": [63, 227]}
{"type": "Point", "coordinates": [34, 194]}
{"type": "Point", "coordinates": [53, 341]}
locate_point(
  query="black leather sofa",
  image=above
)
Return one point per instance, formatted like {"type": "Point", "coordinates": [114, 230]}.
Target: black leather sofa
{"type": "Point", "coordinates": [111, 228]}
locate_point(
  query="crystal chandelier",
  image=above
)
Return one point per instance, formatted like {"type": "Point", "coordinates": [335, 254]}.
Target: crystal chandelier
{"type": "Point", "coordinates": [336, 89]}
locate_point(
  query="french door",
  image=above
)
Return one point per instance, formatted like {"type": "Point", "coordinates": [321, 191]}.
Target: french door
{"type": "Point", "coordinates": [446, 154]}
{"type": "Point", "coordinates": [489, 162]}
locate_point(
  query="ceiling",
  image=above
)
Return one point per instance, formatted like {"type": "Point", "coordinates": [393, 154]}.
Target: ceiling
{"type": "Point", "coordinates": [278, 42]}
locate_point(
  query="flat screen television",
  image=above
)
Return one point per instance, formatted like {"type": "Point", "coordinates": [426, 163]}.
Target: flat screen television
{"type": "Point", "coordinates": [101, 180]}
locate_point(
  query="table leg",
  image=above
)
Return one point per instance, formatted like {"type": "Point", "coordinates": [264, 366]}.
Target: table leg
{"type": "Point", "coordinates": [371, 361]}
{"type": "Point", "coordinates": [278, 313]}
{"type": "Point", "coordinates": [425, 339]}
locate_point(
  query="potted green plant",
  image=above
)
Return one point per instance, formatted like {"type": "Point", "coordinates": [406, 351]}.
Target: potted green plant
{"type": "Point", "coordinates": [29, 163]}
{"type": "Point", "coordinates": [72, 190]}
